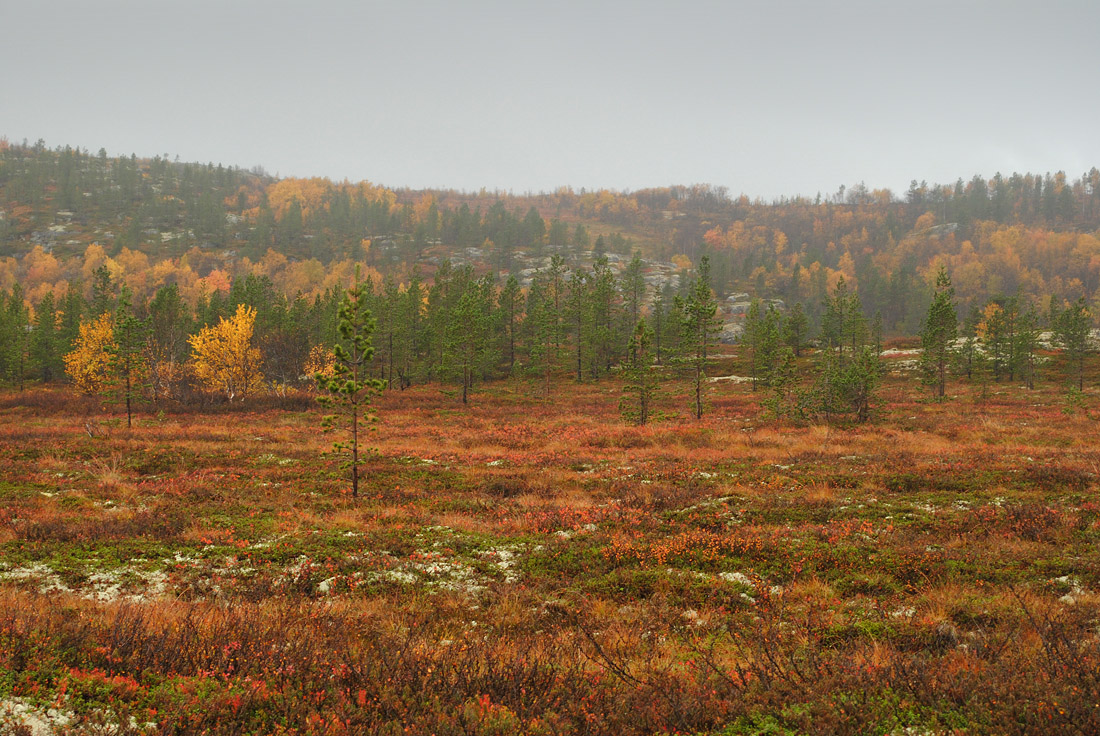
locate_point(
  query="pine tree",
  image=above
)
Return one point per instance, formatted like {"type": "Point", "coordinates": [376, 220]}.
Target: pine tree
{"type": "Point", "coordinates": [129, 361]}
{"type": "Point", "coordinates": [72, 310]}
{"type": "Point", "coordinates": [998, 330]}
{"type": "Point", "coordinates": [169, 326]}
{"type": "Point", "coordinates": [661, 303]}
{"type": "Point", "coordinates": [386, 328]}
{"type": "Point", "coordinates": [543, 324]}
{"type": "Point", "coordinates": [578, 317]}
{"type": "Point", "coordinates": [636, 406]}
{"type": "Point", "coordinates": [769, 345]}
{"type": "Point", "coordinates": [411, 332]}
{"type": "Point", "coordinates": [442, 300]}
{"type": "Point", "coordinates": [348, 387]}
{"type": "Point", "coordinates": [782, 381]}
{"type": "Point", "coordinates": [834, 318]}
{"type": "Point", "coordinates": [7, 336]}
{"type": "Point", "coordinates": [938, 335]}
{"type": "Point", "coordinates": [44, 347]}
{"type": "Point", "coordinates": [1026, 346]}
{"type": "Point", "coordinates": [848, 375]}
{"type": "Point", "coordinates": [540, 331]}
{"type": "Point", "coordinates": [668, 319]}
{"type": "Point", "coordinates": [15, 333]}
{"type": "Point", "coordinates": [971, 352]}
{"type": "Point", "coordinates": [860, 381]}
{"type": "Point", "coordinates": [825, 397]}
{"type": "Point", "coordinates": [633, 290]}
{"type": "Point", "coordinates": [102, 292]}
{"type": "Point", "coordinates": [1072, 326]}
{"type": "Point", "coordinates": [508, 306]}
{"type": "Point", "coordinates": [700, 328]}
{"type": "Point", "coordinates": [608, 343]}
{"type": "Point", "coordinates": [750, 337]}
{"type": "Point", "coordinates": [467, 349]}
{"type": "Point", "coordinates": [855, 332]}
{"type": "Point", "coordinates": [795, 328]}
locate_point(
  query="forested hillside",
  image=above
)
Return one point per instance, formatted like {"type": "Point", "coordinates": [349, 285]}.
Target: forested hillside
{"type": "Point", "coordinates": [483, 284]}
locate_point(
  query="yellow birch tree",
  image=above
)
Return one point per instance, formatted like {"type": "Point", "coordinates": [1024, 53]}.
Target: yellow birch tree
{"type": "Point", "coordinates": [89, 362]}
{"type": "Point", "coordinates": [223, 356]}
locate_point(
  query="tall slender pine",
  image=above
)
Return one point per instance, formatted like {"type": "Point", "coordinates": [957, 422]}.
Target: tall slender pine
{"type": "Point", "coordinates": [349, 387]}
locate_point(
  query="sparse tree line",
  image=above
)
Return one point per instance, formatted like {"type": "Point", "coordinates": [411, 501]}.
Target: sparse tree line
{"type": "Point", "coordinates": [846, 367]}
{"type": "Point", "coordinates": [461, 330]}
{"type": "Point", "coordinates": [236, 343]}
{"type": "Point", "coordinates": [1003, 340]}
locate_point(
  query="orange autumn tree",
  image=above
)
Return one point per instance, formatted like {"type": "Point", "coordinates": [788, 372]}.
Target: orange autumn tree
{"type": "Point", "coordinates": [90, 360]}
{"type": "Point", "coordinates": [223, 358]}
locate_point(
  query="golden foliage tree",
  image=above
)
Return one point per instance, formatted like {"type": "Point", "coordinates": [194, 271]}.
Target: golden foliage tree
{"type": "Point", "coordinates": [321, 362]}
{"type": "Point", "coordinates": [224, 359]}
{"type": "Point", "coordinates": [89, 362]}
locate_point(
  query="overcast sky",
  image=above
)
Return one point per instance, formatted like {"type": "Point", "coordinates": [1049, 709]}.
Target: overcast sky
{"type": "Point", "coordinates": [768, 98]}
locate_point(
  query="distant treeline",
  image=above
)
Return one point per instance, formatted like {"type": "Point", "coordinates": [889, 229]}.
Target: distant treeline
{"type": "Point", "coordinates": [460, 325]}
{"type": "Point", "coordinates": [1023, 235]}
{"type": "Point", "coordinates": [463, 329]}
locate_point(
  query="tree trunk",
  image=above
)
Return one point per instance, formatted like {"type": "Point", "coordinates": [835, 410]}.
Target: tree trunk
{"type": "Point", "coordinates": [699, 390]}
{"type": "Point", "coordinates": [511, 338]}
{"type": "Point", "coordinates": [579, 361]}
{"type": "Point", "coordinates": [355, 453]}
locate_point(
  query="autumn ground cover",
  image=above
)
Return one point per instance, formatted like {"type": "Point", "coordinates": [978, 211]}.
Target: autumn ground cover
{"type": "Point", "coordinates": [531, 564]}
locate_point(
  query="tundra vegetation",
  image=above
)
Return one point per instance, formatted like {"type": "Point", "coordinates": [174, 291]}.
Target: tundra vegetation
{"type": "Point", "coordinates": [532, 565]}
{"type": "Point", "coordinates": [582, 513]}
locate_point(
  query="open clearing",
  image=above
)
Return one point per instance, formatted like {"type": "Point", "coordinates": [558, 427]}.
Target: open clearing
{"type": "Point", "coordinates": [531, 565]}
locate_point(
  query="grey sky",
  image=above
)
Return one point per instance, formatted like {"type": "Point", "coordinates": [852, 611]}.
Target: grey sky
{"type": "Point", "coordinates": [767, 98]}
